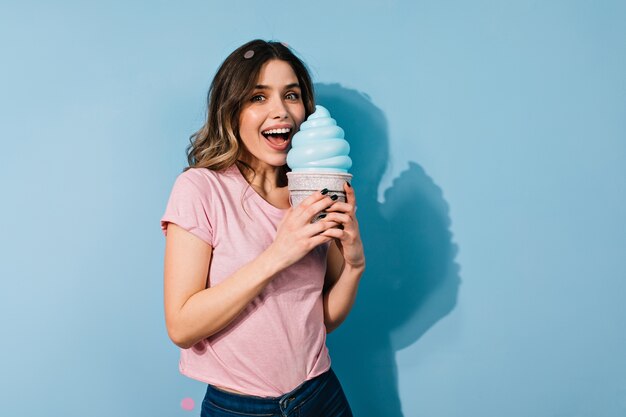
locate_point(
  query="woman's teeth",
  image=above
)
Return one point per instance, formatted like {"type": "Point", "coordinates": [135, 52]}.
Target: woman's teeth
{"type": "Point", "coordinates": [276, 131]}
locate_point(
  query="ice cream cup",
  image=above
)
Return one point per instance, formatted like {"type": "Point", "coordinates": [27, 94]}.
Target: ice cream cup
{"type": "Point", "coordinates": [303, 184]}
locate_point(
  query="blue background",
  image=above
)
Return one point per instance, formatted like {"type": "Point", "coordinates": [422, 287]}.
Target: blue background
{"type": "Point", "coordinates": [489, 141]}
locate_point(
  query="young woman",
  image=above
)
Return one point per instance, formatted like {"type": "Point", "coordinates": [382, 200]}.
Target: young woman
{"type": "Point", "coordinates": [251, 285]}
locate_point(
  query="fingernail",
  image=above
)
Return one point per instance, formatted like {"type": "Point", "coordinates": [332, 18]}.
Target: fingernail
{"type": "Point", "coordinates": [324, 191]}
{"type": "Point", "coordinates": [349, 185]}
{"type": "Point", "coordinates": [334, 197]}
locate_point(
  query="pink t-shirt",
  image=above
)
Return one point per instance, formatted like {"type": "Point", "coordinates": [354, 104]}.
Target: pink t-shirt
{"type": "Point", "coordinates": [279, 340]}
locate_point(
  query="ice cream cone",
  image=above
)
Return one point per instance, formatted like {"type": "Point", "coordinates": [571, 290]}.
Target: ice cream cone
{"type": "Point", "coordinates": [319, 159]}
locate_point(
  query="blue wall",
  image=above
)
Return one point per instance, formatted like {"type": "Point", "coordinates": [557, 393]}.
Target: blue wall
{"type": "Point", "coordinates": [489, 141]}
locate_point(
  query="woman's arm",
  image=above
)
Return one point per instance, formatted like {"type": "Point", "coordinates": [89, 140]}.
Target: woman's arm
{"type": "Point", "coordinates": [346, 262]}
{"type": "Point", "coordinates": [194, 312]}
{"type": "Point", "coordinates": [340, 288]}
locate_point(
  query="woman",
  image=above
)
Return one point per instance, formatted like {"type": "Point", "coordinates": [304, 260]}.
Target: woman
{"type": "Point", "coordinates": [251, 285]}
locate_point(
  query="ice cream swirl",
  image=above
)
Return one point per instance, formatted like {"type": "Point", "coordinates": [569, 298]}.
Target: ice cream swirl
{"type": "Point", "coordinates": [319, 145]}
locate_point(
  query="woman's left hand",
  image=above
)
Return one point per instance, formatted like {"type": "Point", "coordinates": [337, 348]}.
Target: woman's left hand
{"type": "Point", "coordinates": [347, 235]}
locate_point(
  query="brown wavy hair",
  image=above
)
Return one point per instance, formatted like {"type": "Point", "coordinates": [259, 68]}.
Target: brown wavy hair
{"type": "Point", "coordinates": [217, 145]}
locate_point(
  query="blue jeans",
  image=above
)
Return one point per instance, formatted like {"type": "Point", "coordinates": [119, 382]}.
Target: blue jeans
{"type": "Point", "coordinates": [320, 396]}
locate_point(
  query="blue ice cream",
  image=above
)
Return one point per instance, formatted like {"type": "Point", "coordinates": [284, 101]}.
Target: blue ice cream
{"type": "Point", "coordinates": [319, 145]}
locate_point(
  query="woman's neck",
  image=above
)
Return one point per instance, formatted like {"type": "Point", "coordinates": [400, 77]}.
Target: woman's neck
{"type": "Point", "coordinates": [263, 178]}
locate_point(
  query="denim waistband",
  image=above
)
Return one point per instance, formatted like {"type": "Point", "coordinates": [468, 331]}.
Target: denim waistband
{"type": "Point", "coordinates": [260, 406]}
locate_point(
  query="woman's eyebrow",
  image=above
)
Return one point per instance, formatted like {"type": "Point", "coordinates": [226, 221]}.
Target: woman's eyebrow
{"type": "Point", "coordinates": [267, 87]}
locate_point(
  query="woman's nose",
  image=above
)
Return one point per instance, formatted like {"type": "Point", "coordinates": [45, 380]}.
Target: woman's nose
{"type": "Point", "coordinates": [279, 110]}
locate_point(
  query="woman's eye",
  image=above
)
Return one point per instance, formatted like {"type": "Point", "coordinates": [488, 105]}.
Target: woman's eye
{"type": "Point", "coordinates": [257, 98]}
{"type": "Point", "coordinates": [292, 96]}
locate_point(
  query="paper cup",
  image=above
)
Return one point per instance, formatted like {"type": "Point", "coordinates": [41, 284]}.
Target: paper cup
{"type": "Point", "coordinates": [303, 184]}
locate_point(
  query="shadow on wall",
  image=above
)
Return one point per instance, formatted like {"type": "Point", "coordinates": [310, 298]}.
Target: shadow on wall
{"type": "Point", "coordinates": [411, 280]}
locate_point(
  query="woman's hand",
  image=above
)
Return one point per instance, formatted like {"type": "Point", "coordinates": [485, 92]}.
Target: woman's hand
{"type": "Point", "coordinates": [347, 233]}
{"type": "Point", "coordinates": [296, 235]}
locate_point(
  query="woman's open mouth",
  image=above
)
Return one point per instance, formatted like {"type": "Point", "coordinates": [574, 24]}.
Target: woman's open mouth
{"type": "Point", "coordinates": [277, 138]}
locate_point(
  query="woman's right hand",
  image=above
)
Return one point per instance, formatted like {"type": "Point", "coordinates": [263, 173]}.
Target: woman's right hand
{"type": "Point", "coordinates": [296, 235]}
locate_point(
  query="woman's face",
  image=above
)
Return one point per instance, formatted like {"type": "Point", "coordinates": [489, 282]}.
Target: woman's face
{"type": "Point", "coordinates": [271, 115]}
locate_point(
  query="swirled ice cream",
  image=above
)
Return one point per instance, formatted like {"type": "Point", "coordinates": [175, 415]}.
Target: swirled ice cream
{"type": "Point", "coordinates": [318, 158]}
{"type": "Point", "coordinates": [319, 145]}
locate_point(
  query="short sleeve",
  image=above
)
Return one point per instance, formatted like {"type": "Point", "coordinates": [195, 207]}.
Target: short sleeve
{"type": "Point", "coordinates": [189, 208]}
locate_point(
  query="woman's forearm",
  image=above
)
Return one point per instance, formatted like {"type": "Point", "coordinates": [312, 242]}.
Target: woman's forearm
{"type": "Point", "coordinates": [339, 299]}
{"type": "Point", "coordinates": [210, 310]}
